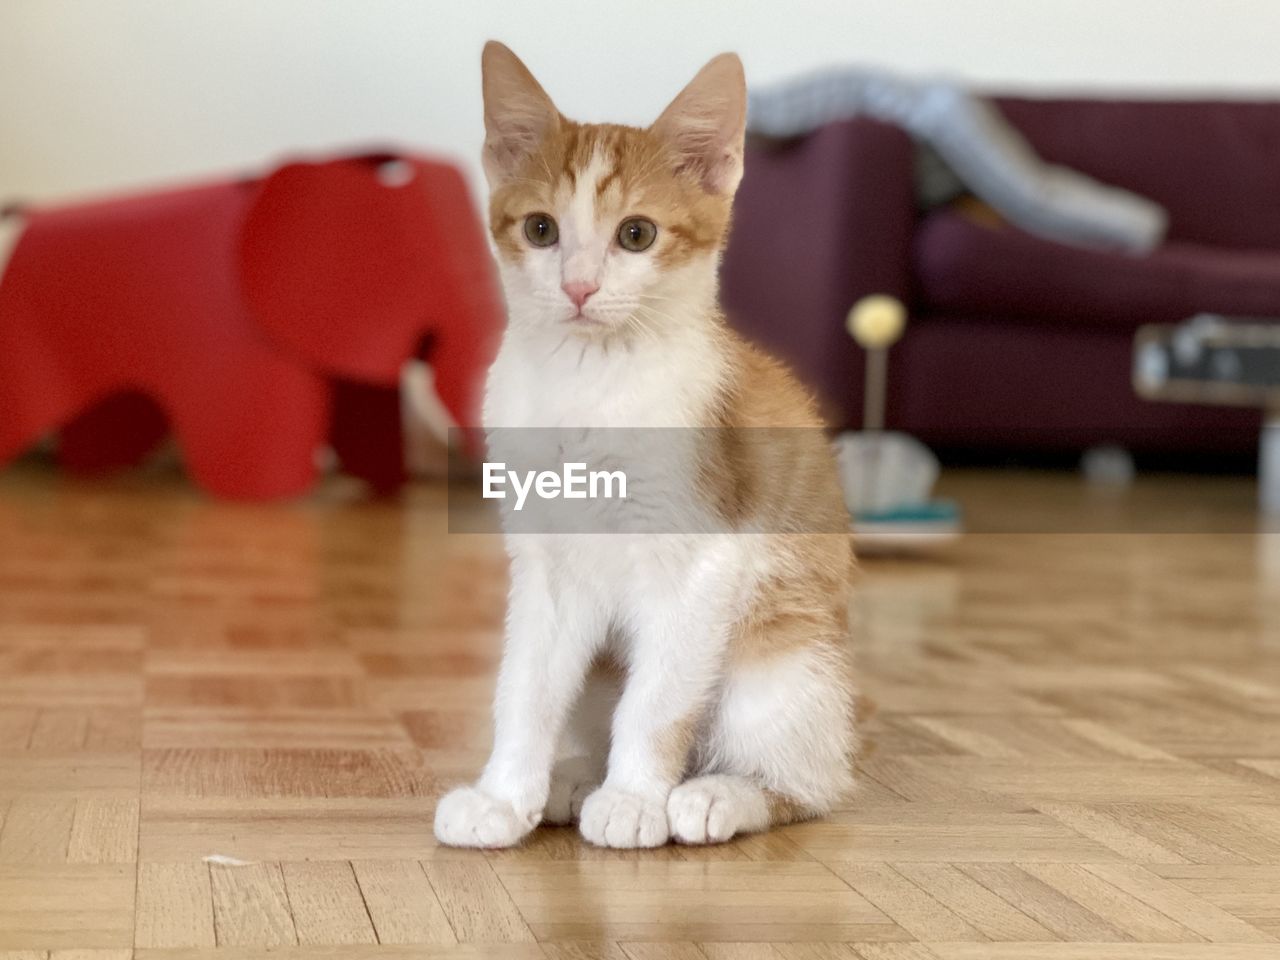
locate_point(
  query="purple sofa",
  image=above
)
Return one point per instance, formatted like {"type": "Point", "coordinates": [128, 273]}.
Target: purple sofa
{"type": "Point", "coordinates": [1015, 344]}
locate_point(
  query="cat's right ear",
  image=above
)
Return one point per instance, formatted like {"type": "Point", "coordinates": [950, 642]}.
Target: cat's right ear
{"type": "Point", "coordinates": [518, 114]}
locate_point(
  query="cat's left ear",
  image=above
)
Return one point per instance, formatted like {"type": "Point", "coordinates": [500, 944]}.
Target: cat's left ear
{"type": "Point", "coordinates": [706, 123]}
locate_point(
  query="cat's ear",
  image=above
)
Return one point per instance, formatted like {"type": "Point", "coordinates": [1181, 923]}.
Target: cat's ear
{"type": "Point", "coordinates": [706, 124]}
{"type": "Point", "coordinates": [518, 114]}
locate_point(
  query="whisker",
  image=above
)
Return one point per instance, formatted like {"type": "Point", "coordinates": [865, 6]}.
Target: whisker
{"type": "Point", "coordinates": [558, 346]}
{"type": "Point", "coordinates": [644, 326]}
{"type": "Point", "coordinates": [658, 313]}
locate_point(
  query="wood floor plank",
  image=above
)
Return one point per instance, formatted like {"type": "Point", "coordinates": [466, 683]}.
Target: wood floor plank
{"type": "Point", "coordinates": [893, 951]}
{"type": "Point", "coordinates": [326, 903]}
{"type": "Point", "coordinates": [1115, 781]}
{"type": "Point", "coordinates": [113, 730]}
{"type": "Point", "coordinates": [1189, 845]}
{"type": "Point", "coordinates": [66, 906]}
{"type": "Point", "coordinates": [920, 914]}
{"type": "Point", "coordinates": [741, 951]}
{"type": "Point", "coordinates": [1123, 911]}
{"type": "Point", "coordinates": [1206, 919]}
{"type": "Point", "coordinates": [944, 832]}
{"type": "Point", "coordinates": [584, 950]}
{"type": "Point", "coordinates": [1269, 767]}
{"type": "Point", "coordinates": [819, 950]}
{"type": "Point", "coordinates": [251, 906]}
{"type": "Point", "coordinates": [16, 726]}
{"type": "Point", "coordinates": [1097, 951]}
{"type": "Point", "coordinates": [37, 829]}
{"type": "Point", "coordinates": [403, 906]}
{"type": "Point", "coordinates": [1250, 892]}
{"type": "Point", "coordinates": [104, 830]}
{"type": "Point", "coordinates": [1226, 827]}
{"type": "Point", "coordinates": [478, 906]}
{"type": "Point", "coordinates": [662, 951]}
{"type": "Point", "coordinates": [1111, 833]}
{"type": "Point", "coordinates": [175, 906]}
{"type": "Point", "coordinates": [1049, 907]}
{"type": "Point", "coordinates": [646, 899]}
{"type": "Point", "coordinates": [68, 775]}
{"type": "Point", "coordinates": [59, 730]}
{"type": "Point", "coordinates": [288, 828]}
{"type": "Point", "coordinates": [1113, 741]}
{"type": "Point", "coordinates": [348, 951]}
{"type": "Point", "coordinates": [973, 902]}
{"type": "Point", "coordinates": [250, 773]}
{"type": "Point", "coordinates": [962, 735]}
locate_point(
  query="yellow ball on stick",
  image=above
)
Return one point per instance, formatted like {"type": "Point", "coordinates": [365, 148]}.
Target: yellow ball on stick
{"type": "Point", "coordinates": [877, 321]}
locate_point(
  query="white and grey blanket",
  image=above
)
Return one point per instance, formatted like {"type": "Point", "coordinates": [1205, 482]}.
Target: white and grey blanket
{"type": "Point", "coordinates": [966, 143]}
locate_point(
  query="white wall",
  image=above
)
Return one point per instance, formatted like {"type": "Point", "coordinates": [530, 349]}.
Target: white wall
{"type": "Point", "coordinates": [96, 94]}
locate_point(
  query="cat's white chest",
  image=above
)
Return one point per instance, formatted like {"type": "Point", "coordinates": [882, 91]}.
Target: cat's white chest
{"type": "Point", "coordinates": [550, 381]}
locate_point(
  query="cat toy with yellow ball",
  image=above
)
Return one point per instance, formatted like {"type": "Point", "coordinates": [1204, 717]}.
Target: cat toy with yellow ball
{"type": "Point", "coordinates": [888, 477]}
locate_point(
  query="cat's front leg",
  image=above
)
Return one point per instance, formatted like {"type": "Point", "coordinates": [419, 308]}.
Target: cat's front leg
{"type": "Point", "coordinates": [549, 645]}
{"type": "Point", "coordinates": [676, 654]}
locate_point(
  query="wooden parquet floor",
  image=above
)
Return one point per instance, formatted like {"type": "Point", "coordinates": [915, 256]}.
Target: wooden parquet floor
{"type": "Point", "coordinates": [223, 727]}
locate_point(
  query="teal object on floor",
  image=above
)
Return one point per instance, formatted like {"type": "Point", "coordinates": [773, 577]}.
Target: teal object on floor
{"type": "Point", "coordinates": [934, 511]}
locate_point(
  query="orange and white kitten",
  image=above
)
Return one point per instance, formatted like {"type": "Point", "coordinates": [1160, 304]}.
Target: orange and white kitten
{"type": "Point", "coordinates": [654, 686]}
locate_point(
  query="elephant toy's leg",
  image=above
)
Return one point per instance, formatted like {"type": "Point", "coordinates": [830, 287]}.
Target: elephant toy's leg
{"type": "Point", "coordinates": [120, 431]}
{"type": "Point", "coordinates": [254, 434]}
{"type": "Point", "coordinates": [367, 434]}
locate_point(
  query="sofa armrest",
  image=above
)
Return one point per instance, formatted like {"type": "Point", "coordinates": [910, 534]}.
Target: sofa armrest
{"type": "Point", "coordinates": [819, 223]}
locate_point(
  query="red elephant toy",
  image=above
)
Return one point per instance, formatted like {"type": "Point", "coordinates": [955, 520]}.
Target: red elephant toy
{"type": "Point", "coordinates": [258, 319]}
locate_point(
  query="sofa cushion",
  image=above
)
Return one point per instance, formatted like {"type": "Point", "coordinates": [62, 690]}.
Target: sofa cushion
{"type": "Point", "coordinates": [969, 267]}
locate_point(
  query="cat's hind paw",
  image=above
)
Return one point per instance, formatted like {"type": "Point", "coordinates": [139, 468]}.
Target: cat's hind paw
{"type": "Point", "coordinates": [713, 809]}
{"type": "Point", "coordinates": [572, 782]}
{"type": "Point", "coordinates": [468, 817]}
{"type": "Point", "coordinates": [615, 818]}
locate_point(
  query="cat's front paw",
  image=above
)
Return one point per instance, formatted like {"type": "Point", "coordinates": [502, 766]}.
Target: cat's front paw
{"type": "Point", "coordinates": [469, 817]}
{"type": "Point", "coordinates": [615, 818]}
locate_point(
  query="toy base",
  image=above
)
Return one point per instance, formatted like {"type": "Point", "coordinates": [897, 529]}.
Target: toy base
{"type": "Point", "coordinates": [929, 526]}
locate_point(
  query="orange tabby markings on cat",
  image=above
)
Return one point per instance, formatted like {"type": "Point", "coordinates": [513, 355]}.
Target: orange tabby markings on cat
{"type": "Point", "coordinates": [725, 701]}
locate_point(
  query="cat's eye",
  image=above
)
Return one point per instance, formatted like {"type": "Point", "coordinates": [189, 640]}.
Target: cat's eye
{"type": "Point", "coordinates": [637, 234]}
{"type": "Point", "coordinates": [540, 230]}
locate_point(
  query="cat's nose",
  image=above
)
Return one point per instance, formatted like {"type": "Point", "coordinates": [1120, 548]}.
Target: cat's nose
{"type": "Point", "coordinates": [579, 290]}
